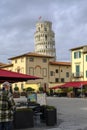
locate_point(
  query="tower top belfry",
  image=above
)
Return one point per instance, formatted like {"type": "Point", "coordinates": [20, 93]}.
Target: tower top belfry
{"type": "Point", "coordinates": [44, 39]}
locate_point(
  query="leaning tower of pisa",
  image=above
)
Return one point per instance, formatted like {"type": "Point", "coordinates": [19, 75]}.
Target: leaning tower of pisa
{"type": "Point", "coordinates": [44, 39]}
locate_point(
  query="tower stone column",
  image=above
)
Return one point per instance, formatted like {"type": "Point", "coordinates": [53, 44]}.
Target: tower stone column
{"type": "Point", "coordinates": [44, 39]}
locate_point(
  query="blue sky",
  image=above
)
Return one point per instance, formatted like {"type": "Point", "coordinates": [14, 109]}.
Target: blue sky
{"type": "Point", "coordinates": [18, 20]}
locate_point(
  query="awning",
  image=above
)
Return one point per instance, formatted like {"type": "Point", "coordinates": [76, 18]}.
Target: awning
{"type": "Point", "coordinates": [54, 87]}
{"type": "Point", "coordinates": [12, 77]}
{"type": "Point", "coordinates": [76, 84]}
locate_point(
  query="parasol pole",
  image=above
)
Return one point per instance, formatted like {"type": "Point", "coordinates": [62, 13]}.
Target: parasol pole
{"type": "Point", "coordinates": [81, 90]}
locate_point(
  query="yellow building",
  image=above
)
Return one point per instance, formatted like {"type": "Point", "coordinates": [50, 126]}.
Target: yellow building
{"type": "Point", "coordinates": [52, 72]}
{"type": "Point", "coordinates": [79, 63]}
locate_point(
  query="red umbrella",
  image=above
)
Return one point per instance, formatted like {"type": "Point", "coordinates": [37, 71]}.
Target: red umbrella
{"type": "Point", "coordinates": [6, 75]}
{"type": "Point", "coordinates": [74, 84]}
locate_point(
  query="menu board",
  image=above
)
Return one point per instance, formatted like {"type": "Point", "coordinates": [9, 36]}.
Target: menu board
{"type": "Point", "coordinates": [41, 99]}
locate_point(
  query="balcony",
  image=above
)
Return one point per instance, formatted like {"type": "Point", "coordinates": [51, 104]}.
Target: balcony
{"type": "Point", "coordinates": [77, 75]}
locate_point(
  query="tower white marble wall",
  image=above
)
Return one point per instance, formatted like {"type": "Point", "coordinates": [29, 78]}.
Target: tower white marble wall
{"type": "Point", "coordinates": [44, 39]}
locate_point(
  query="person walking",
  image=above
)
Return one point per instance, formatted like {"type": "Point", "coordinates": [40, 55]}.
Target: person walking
{"type": "Point", "coordinates": [7, 107]}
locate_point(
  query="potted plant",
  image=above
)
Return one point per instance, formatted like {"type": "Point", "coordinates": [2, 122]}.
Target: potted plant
{"type": "Point", "coordinates": [24, 93]}
{"type": "Point", "coordinates": [49, 115]}
{"type": "Point", "coordinates": [29, 89]}
{"type": "Point", "coordinates": [16, 88]}
{"type": "Point", "coordinates": [16, 93]}
{"type": "Point", "coordinates": [41, 90]}
{"type": "Point", "coordinates": [23, 118]}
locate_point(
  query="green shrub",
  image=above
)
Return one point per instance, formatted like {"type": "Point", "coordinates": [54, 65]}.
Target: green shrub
{"type": "Point", "coordinates": [16, 88]}
{"type": "Point", "coordinates": [24, 109]}
{"type": "Point", "coordinates": [47, 107]}
{"type": "Point", "coordinates": [29, 89]}
{"type": "Point", "coordinates": [41, 89]}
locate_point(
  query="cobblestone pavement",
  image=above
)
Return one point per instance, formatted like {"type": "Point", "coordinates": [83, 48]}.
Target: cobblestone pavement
{"type": "Point", "coordinates": [71, 111]}
{"type": "Point", "coordinates": [71, 114]}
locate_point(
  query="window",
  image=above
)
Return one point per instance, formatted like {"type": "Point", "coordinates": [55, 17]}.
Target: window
{"type": "Point", "coordinates": [18, 70]}
{"type": "Point", "coordinates": [45, 37]}
{"type": "Point", "coordinates": [51, 73]}
{"type": "Point", "coordinates": [77, 54]}
{"type": "Point", "coordinates": [41, 25]}
{"type": "Point", "coordinates": [86, 73]}
{"type": "Point", "coordinates": [56, 70]}
{"type": "Point", "coordinates": [31, 70]}
{"type": "Point", "coordinates": [74, 55]}
{"type": "Point", "coordinates": [44, 60]}
{"type": "Point", "coordinates": [22, 59]}
{"type": "Point", "coordinates": [45, 29]}
{"type": "Point", "coordinates": [15, 60]}
{"type": "Point", "coordinates": [86, 57]}
{"type": "Point", "coordinates": [62, 80]}
{"type": "Point", "coordinates": [67, 74]}
{"type": "Point", "coordinates": [56, 80]}
{"type": "Point", "coordinates": [38, 28]}
{"type": "Point", "coordinates": [31, 59]}
{"type": "Point", "coordinates": [38, 38]}
{"type": "Point", "coordinates": [61, 70]}
{"type": "Point", "coordinates": [44, 72]}
{"type": "Point", "coordinates": [77, 70]}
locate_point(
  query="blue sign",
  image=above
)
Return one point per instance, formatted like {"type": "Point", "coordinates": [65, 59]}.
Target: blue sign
{"type": "Point", "coordinates": [32, 97]}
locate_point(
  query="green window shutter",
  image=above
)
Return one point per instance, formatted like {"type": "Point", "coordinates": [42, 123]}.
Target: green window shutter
{"type": "Point", "coordinates": [74, 55]}
{"type": "Point", "coordinates": [86, 57]}
{"type": "Point", "coordinates": [86, 73]}
{"type": "Point", "coordinates": [77, 70]}
{"type": "Point", "coordinates": [79, 54]}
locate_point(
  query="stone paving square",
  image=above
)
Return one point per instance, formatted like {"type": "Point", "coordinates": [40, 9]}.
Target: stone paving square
{"type": "Point", "coordinates": [71, 114]}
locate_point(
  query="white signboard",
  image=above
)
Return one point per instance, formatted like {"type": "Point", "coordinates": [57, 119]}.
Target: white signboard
{"type": "Point", "coordinates": [41, 99]}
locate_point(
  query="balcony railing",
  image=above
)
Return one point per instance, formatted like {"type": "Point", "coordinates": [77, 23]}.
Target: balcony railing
{"type": "Point", "coordinates": [77, 75]}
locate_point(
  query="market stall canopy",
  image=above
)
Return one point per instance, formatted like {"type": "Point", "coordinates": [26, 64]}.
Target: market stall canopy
{"type": "Point", "coordinates": [76, 84]}
{"type": "Point", "coordinates": [12, 77]}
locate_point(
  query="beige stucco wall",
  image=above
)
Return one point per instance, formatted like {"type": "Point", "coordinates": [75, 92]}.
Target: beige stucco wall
{"type": "Point", "coordinates": [19, 63]}
{"type": "Point", "coordinates": [37, 68]}
{"type": "Point", "coordinates": [61, 73]}
{"type": "Point", "coordinates": [41, 69]}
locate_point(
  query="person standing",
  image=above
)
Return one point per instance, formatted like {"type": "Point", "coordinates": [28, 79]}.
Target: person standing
{"type": "Point", "coordinates": [7, 107]}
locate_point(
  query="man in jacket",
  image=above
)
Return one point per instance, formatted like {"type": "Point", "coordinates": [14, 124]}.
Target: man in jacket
{"type": "Point", "coordinates": [7, 107]}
